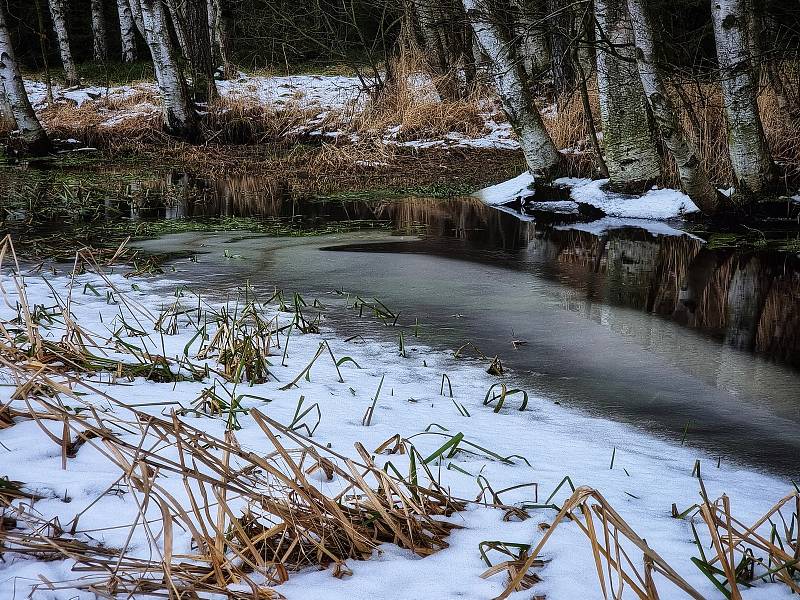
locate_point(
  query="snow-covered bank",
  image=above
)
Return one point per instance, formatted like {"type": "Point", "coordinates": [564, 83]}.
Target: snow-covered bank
{"type": "Point", "coordinates": [641, 476]}
{"type": "Point", "coordinates": [332, 102]}
{"type": "Point", "coordinates": [657, 204]}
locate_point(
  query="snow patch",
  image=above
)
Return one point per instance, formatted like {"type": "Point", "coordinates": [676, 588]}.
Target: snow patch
{"type": "Point", "coordinates": [659, 204]}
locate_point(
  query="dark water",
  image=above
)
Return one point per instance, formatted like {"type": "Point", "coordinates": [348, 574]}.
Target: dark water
{"type": "Point", "coordinates": [661, 331]}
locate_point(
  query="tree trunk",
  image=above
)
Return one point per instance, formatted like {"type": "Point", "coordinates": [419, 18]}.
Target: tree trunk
{"type": "Point", "coordinates": [177, 13]}
{"type": "Point", "coordinates": [541, 154]}
{"type": "Point", "coordinates": [99, 31]}
{"type": "Point", "coordinates": [127, 34]}
{"type": "Point", "coordinates": [180, 117]}
{"type": "Point", "coordinates": [7, 120]}
{"type": "Point", "coordinates": [201, 56]}
{"type": "Point", "coordinates": [694, 179]}
{"type": "Point", "coordinates": [532, 32]}
{"type": "Point", "coordinates": [58, 13]}
{"type": "Point", "coordinates": [750, 158]}
{"type": "Point", "coordinates": [136, 11]}
{"type": "Point", "coordinates": [443, 43]}
{"type": "Point", "coordinates": [631, 154]}
{"type": "Point", "coordinates": [223, 25]}
{"type": "Point", "coordinates": [32, 137]}
{"type": "Point", "coordinates": [560, 28]}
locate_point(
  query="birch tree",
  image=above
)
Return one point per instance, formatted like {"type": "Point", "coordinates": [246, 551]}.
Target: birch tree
{"type": "Point", "coordinates": [532, 32]}
{"type": "Point", "coordinates": [7, 120]}
{"type": "Point", "coordinates": [693, 177]}
{"type": "Point", "coordinates": [32, 138]}
{"type": "Point", "coordinates": [100, 47]}
{"type": "Point", "coordinates": [630, 149]}
{"type": "Point", "coordinates": [180, 117]}
{"type": "Point", "coordinates": [136, 12]}
{"type": "Point", "coordinates": [541, 154]}
{"type": "Point", "coordinates": [127, 31]}
{"type": "Point", "coordinates": [58, 14]}
{"type": "Point", "coordinates": [750, 157]}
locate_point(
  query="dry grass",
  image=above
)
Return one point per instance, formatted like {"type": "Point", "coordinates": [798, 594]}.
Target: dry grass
{"type": "Point", "coordinates": [250, 519]}
{"type": "Point", "coordinates": [410, 105]}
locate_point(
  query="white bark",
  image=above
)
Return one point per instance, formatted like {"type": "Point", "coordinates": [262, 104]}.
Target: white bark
{"type": "Point", "coordinates": [532, 32]}
{"type": "Point", "coordinates": [178, 15]}
{"type": "Point", "coordinates": [7, 120]}
{"type": "Point", "coordinates": [630, 148]}
{"type": "Point", "coordinates": [127, 33]}
{"type": "Point", "coordinates": [694, 179]}
{"type": "Point", "coordinates": [58, 13]}
{"type": "Point", "coordinates": [750, 157]}
{"type": "Point", "coordinates": [99, 31]}
{"type": "Point", "coordinates": [31, 133]}
{"type": "Point", "coordinates": [136, 11]}
{"type": "Point", "coordinates": [180, 117]}
{"type": "Point", "coordinates": [541, 154]}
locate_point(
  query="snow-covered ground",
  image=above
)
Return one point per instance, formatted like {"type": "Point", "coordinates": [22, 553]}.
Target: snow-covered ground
{"type": "Point", "coordinates": [335, 99]}
{"type": "Point", "coordinates": [641, 476]}
{"type": "Point", "coordinates": [657, 204]}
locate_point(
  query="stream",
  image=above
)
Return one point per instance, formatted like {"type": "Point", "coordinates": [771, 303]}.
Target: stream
{"type": "Point", "coordinates": [654, 328]}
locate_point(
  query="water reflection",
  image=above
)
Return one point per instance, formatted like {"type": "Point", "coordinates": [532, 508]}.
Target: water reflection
{"type": "Point", "coordinates": [747, 300]}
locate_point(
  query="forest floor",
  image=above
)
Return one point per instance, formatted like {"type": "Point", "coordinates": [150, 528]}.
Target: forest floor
{"type": "Point", "coordinates": [155, 439]}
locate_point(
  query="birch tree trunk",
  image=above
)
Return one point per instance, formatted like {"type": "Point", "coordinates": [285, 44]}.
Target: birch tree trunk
{"type": "Point", "coordinates": [532, 32]}
{"type": "Point", "coordinates": [7, 120]}
{"type": "Point", "coordinates": [630, 147]}
{"type": "Point", "coordinates": [750, 158]}
{"type": "Point", "coordinates": [180, 117]}
{"type": "Point", "coordinates": [127, 33]}
{"type": "Point", "coordinates": [178, 14]}
{"type": "Point", "coordinates": [136, 11]}
{"type": "Point", "coordinates": [58, 13]}
{"type": "Point", "coordinates": [541, 154]}
{"type": "Point", "coordinates": [32, 137]}
{"type": "Point", "coordinates": [100, 47]}
{"type": "Point", "coordinates": [694, 179]}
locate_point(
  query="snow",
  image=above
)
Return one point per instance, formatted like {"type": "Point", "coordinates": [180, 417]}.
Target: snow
{"type": "Point", "coordinates": [332, 100]}
{"type": "Point", "coordinates": [653, 204]}
{"type": "Point", "coordinates": [658, 204]}
{"type": "Point", "coordinates": [648, 473]}
{"type": "Point", "coordinates": [506, 192]}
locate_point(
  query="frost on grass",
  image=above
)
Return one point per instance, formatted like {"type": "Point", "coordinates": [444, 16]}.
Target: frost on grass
{"type": "Point", "coordinates": [154, 443]}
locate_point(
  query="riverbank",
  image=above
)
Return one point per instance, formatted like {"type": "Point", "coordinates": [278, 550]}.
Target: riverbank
{"type": "Point", "coordinates": [148, 364]}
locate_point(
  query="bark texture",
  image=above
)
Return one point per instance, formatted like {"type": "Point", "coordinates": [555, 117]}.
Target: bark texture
{"type": "Point", "coordinates": [532, 31]}
{"type": "Point", "coordinates": [136, 11]}
{"type": "Point", "coordinates": [445, 38]}
{"type": "Point", "coordinates": [694, 179]}
{"type": "Point", "coordinates": [201, 57]}
{"type": "Point", "coordinates": [180, 117]}
{"type": "Point", "coordinates": [59, 16]}
{"type": "Point", "coordinates": [100, 47]}
{"type": "Point", "coordinates": [127, 31]}
{"type": "Point", "coordinates": [541, 154]}
{"type": "Point", "coordinates": [7, 120]}
{"type": "Point", "coordinates": [222, 25]}
{"type": "Point", "coordinates": [630, 148]}
{"type": "Point", "coordinates": [32, 137]}
{"type": "Point", "coordinates": [750, 157]}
